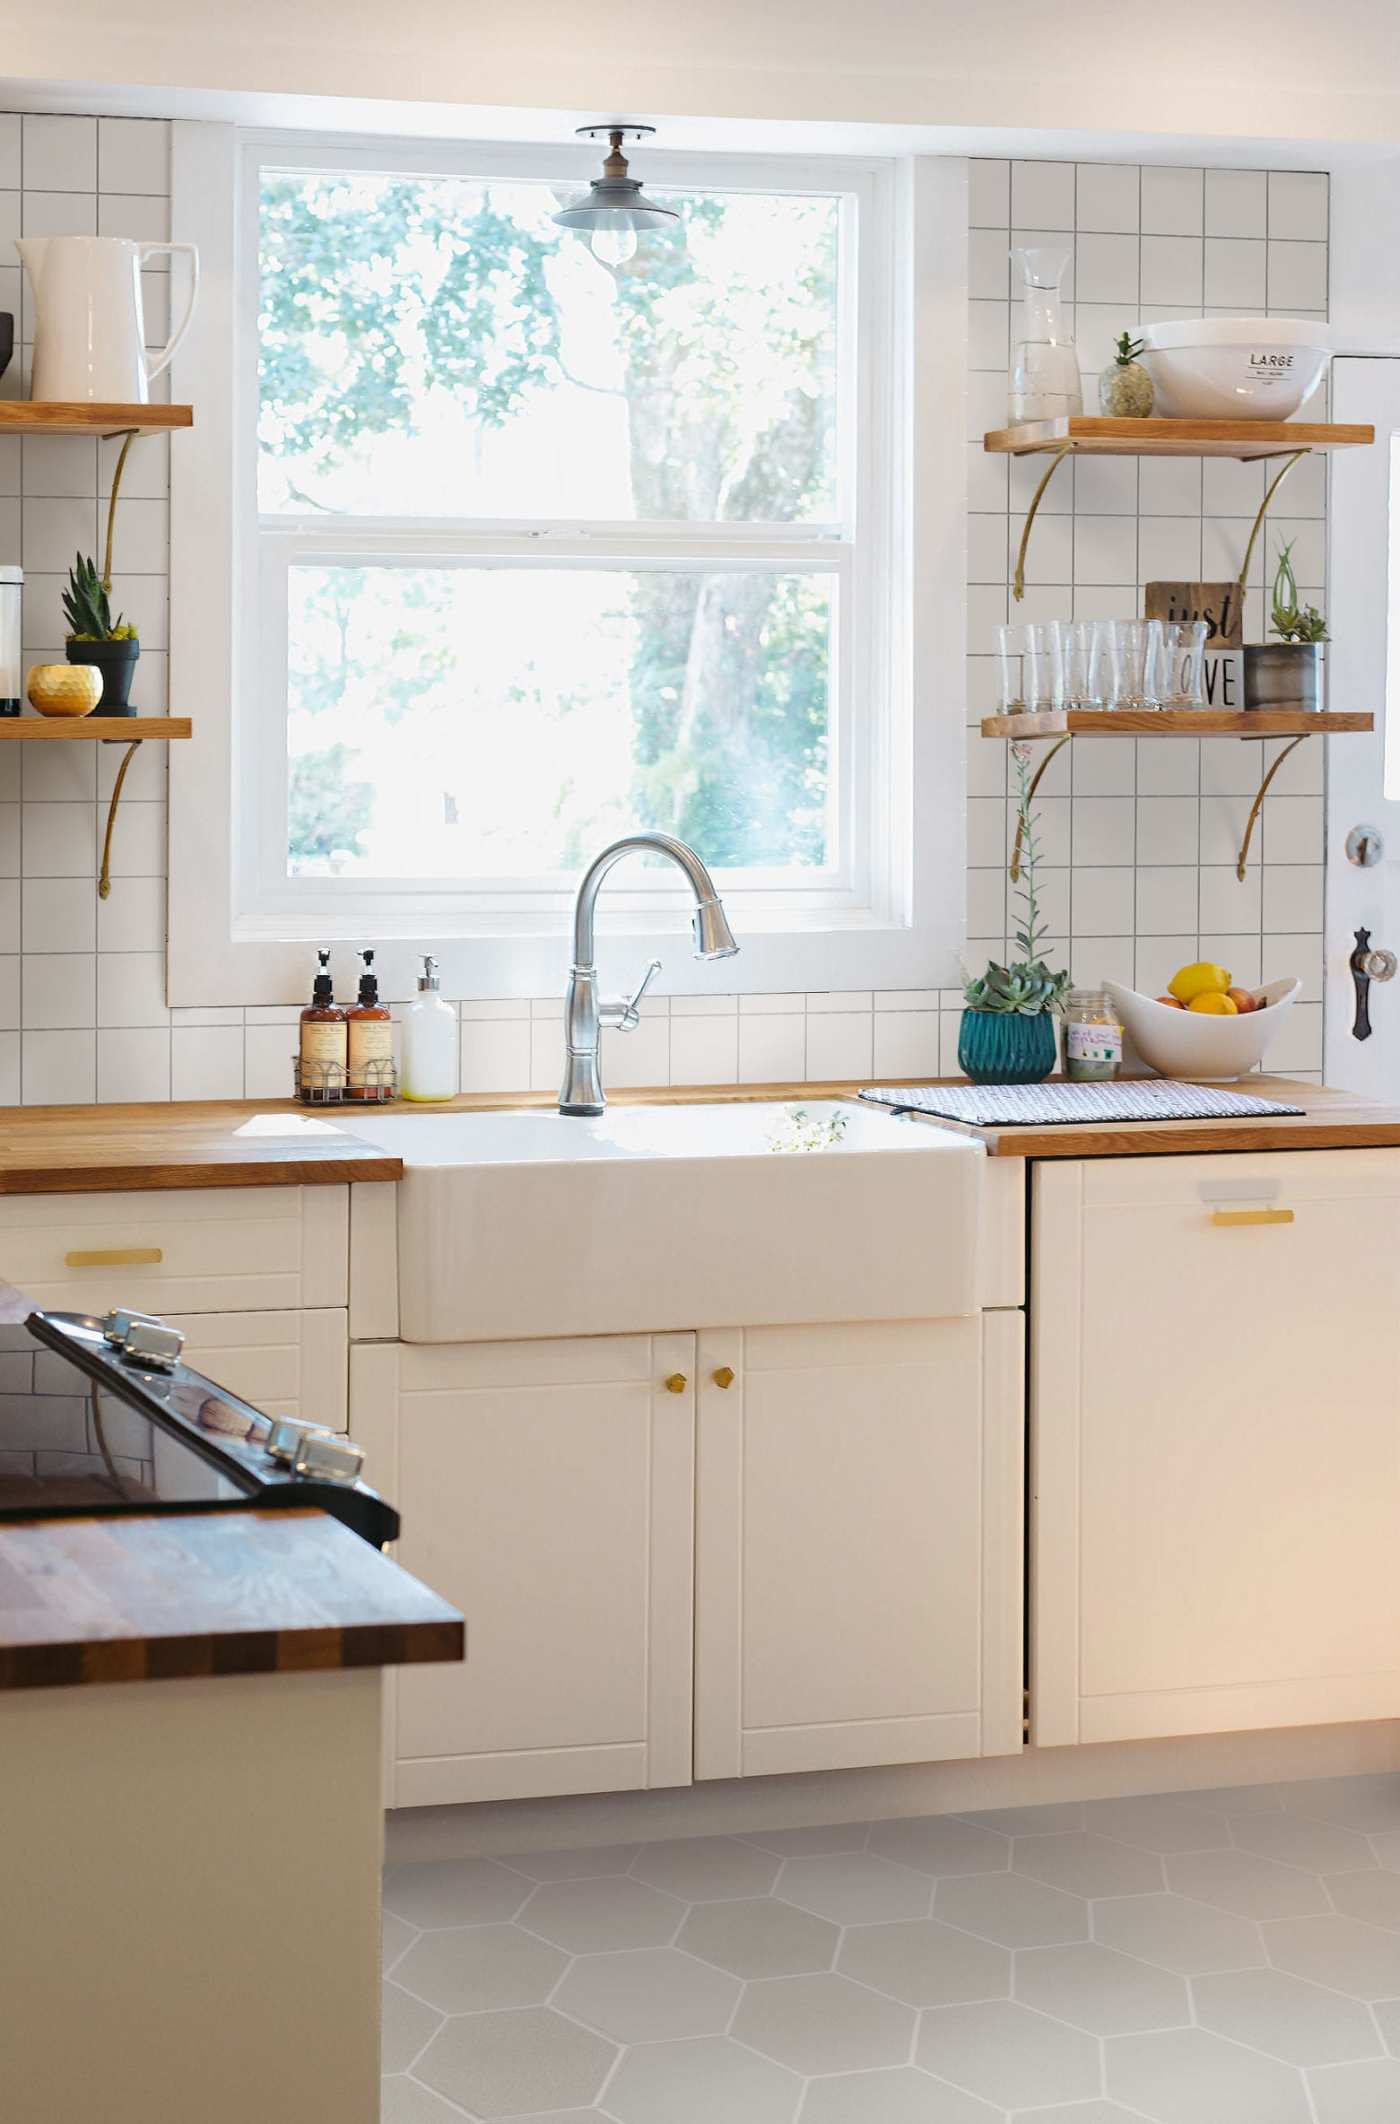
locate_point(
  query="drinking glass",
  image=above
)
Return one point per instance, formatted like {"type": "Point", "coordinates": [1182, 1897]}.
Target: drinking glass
{"type": "Point", "coordinates": [1183, 663]}
{"type": "Point", "coordinates": [1045, 665]}
{"type": "Point", "coordinates": [1032, 666]}
{"type": "Point", "coordinates": [1085, 664]}
{"type": "Point", "coordinates": [1011, 642]}
{"type": "Point", "coordinates": [1137, 653]}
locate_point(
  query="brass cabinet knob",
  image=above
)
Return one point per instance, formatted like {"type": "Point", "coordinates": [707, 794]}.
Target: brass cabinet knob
{"type": "Point", "coordinates": [724, 1377]}
{"type": "Point", "coordinates": [676, 1383]}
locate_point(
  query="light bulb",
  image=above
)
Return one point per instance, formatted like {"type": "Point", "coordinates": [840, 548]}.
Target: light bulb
{"type": "Point", "coordinates": [613, 246]}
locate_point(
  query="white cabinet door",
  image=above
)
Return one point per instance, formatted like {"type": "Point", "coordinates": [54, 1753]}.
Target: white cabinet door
{"type": "Point", "coordinates": [858, 1594]}
{"type": "Point", "coordinates": [547, 1490]}
{"type": "Point", "coordinates": [1215, 1431]}
{"type": "Point", "coordinates": [288, 1364]}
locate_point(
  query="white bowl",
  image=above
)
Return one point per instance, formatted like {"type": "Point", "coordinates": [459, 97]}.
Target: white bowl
{"type": "Point", "coordinates": [1234, 368]}
{"type": "Point", "coordinates": [1195, 1044]}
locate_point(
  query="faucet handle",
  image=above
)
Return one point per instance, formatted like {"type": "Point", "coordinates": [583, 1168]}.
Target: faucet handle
{"type": "Point", "coordinates": [631, 1017]}
{"type": "Point", "coordinates": [625, 1017]}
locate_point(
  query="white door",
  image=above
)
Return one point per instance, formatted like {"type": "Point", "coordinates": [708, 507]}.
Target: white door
{"type": "Point", "coordinates": [858, 1544]}
{"type": "Point", "coordinates": [546, 1490]}
{"type": "Point", "coordinates": [1215, 1444]}
{"type": "Point", "coordinates": [1363, 672]}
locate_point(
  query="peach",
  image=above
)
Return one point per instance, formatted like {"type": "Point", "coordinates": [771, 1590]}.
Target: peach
{"type": "Point", "coordinates": [1172, 1002]}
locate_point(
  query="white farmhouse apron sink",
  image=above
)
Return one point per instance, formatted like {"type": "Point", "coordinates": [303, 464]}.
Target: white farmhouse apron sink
{"type": "Point", "coordinates": [523, 1224]}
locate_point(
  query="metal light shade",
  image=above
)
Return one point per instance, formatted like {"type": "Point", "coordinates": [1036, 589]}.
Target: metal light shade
{"type": "Point", "coordinates": [610, 205]}
{"type": "Point", "coordinates": [615, 200]}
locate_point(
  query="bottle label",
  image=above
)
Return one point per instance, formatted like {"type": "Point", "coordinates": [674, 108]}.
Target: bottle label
{"type": "Point", "coordinates": [323, 1043]}
{"type": "Point", "coordinates": [1093, 1043]}
{"type": "Point", "coordinates": [371, 1043]}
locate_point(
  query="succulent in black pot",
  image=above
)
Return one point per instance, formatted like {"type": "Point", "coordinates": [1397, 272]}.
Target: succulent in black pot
{"type": "Point", "coordinates": [95, 638]}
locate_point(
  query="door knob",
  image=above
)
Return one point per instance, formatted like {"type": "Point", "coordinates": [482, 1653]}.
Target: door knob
{"type": "Point", "coordinates": [724, 1376]}
{"type": "Point", "coordinates": [676, 1382]}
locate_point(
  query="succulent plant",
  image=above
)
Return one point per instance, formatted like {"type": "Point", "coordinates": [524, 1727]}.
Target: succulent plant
{"type": "Point", "coordinates": [87, 607]}
{"type": "Point", "coordinates": [1290, 623]}
{"type": "Point", "coordinates": [1128, 349]}
{"type": "Point", "coordinates": [1027, 986]}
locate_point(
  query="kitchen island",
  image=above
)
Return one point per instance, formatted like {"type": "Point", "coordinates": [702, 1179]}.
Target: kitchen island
{"type": "Point", "coordinates": [190, 1728]}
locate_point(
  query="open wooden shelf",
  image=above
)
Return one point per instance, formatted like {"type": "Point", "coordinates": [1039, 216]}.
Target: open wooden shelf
{"type": "Point", "coordinates": [34, 729]}
{"type": "Point", "coordinates": [57, 417]}
{"type": "Point", "coordinates": [1172, 722]}
{"type": "Point", "coordinates": [1089, 435]}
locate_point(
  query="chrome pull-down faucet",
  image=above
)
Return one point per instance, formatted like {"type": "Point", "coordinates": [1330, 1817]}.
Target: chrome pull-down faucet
{"type": "Point", "coordinates": [584, 1015]}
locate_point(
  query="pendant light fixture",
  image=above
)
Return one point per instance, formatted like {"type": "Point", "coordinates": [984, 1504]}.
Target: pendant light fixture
{"type": "Point", "coordinates": [614, 207]}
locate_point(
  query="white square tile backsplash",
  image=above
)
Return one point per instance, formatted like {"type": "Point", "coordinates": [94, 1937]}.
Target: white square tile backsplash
{"type": "Point", "coordinates": [1124, 826]}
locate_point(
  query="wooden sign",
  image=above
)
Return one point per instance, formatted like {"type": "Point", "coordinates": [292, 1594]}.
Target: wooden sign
{"type": "Point", "coordinates": [1218, 604]}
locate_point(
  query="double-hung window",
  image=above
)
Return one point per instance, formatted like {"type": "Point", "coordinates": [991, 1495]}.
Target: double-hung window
{"type": "Point", "coordinates": [537, 548]}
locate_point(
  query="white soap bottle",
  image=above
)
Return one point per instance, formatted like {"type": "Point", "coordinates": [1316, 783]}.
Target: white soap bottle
{"type": "Point", "coordinates": [429, 1041]}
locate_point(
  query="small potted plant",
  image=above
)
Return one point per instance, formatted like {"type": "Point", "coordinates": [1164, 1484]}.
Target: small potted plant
{"type": "Point", "coordinates": [93, 637]}
{"type": "Point", "coordinates": [1287, 673]}
{"type": "Point", "coordinates": [1008, 1033]}
{"type": "Point", "coordinates": [1125, 388]}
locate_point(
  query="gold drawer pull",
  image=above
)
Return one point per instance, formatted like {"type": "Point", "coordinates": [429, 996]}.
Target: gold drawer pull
{"type": "Point", "coordinates": [1252, 1216]}
{"type": "Point", "coordinates": [724, 1377]}
{"type": "Point", "coordinates": [114, 1257]}
{"type": "Point", "coordinates": [676, 1382]}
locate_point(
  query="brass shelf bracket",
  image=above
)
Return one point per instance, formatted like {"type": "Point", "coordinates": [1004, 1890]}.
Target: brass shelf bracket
{"type": "Point", "coordinates": [1269, 492]}
{"type": "Point", "coordinates": [1018, 580]}
{"type": "Point", "coordinates": [104, 879]}
{"type": "Point", "coordinates": [1036, 779]}
{"type": "Point", "coordinates": [1258, 805]}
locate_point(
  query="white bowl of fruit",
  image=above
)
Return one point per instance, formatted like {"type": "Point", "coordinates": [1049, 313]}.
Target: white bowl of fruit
{"type": "Point", "coordinates": [1206, 1025]}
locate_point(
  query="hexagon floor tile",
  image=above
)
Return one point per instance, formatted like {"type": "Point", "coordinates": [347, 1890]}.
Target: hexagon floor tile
{"type": "Point", "coordinates": [760, 1937]}
{"type": "Point", "coordinates": [650, 1995]}
{"type": "Point", "coordinates": [821, 2024]}
{"type": "Point", "coordinates": [903, 2095]}
{"type": "Point", "coordinates": [507, 2064]}
{"type": "Point", "coordinates": [1285, 2017]}
{"type": "Point", "coordinates": [1188, 2075]}
{"type": "Point", "coordinates": [1008, 2055]}
{"type": "Point", "coordinates": [1221, 1957]}
{"type": "Point", "coordinates": [1099, 1990]}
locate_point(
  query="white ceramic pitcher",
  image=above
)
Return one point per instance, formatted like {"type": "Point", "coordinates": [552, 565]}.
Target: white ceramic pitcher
{"type": "Point", "coordinates": [89, 329]}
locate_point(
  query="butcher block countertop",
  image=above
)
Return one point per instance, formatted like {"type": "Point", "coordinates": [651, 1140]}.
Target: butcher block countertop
{"type": "Point", "coordinates": [167, 1596]}
{"type": "Point", "coordinates": [271, 1143]}
{"type": "Point", "coordinates": [62, 1150]}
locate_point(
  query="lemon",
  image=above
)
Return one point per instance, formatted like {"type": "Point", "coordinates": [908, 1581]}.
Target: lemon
{"type": "Point", "coordinates": [1199, 980]}
{"type": "Point", "coordinates": [1212, 1004]}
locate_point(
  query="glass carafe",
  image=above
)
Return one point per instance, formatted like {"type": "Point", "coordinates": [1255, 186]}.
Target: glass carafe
{"type": "Point", "coordinates": [1044, 366]}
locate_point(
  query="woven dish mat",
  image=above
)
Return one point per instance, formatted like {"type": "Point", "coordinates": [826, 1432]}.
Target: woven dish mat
{"type": "Point", "coordinates": [1130, 1099]}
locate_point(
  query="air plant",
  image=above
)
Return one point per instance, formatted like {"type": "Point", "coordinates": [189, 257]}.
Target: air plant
{"type": "Point", "coordinates": [1026, 986]}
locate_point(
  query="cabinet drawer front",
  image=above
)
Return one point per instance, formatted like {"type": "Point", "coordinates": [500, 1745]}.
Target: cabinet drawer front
{"type": "Point", "coordinates": [287, 1364]}
{"type": "Point", "coordinates": [206, 1250]}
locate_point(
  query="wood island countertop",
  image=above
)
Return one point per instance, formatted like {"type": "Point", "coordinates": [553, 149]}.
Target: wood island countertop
{"type": "Point", "coordinates": [271, 1143]}
{"type": "Point", "coordinates": [168, 1596]}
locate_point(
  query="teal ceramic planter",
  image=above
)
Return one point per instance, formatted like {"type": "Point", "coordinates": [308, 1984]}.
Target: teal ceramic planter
{"type": "Point", "coordinates": [1004, 1047]}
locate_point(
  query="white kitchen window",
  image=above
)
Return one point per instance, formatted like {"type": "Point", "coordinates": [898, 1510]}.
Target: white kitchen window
{"type": "Point", "coordinates": [533, 550]}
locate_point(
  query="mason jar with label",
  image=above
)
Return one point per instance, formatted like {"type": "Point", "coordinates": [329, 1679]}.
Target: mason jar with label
{"type": "Point", "coordinates": [1093, 1037]}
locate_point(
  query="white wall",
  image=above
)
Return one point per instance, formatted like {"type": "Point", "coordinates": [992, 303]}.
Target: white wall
{"type": "Point", "coordinates": [1197, 69]}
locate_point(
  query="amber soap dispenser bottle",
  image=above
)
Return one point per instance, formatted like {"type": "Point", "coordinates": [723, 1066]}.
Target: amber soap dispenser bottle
{"type": "Point", "coordinates": [371, 1040]}
{"type": "Point", "coordinates": [321, 1048]}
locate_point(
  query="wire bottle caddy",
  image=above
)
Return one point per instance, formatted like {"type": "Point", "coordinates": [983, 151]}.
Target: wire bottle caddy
{"type": "Point", "coordinates": [314, 1083]}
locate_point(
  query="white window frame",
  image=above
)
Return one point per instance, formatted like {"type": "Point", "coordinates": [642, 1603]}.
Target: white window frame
{"type": "Point", "coordinates": [890, 915]}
